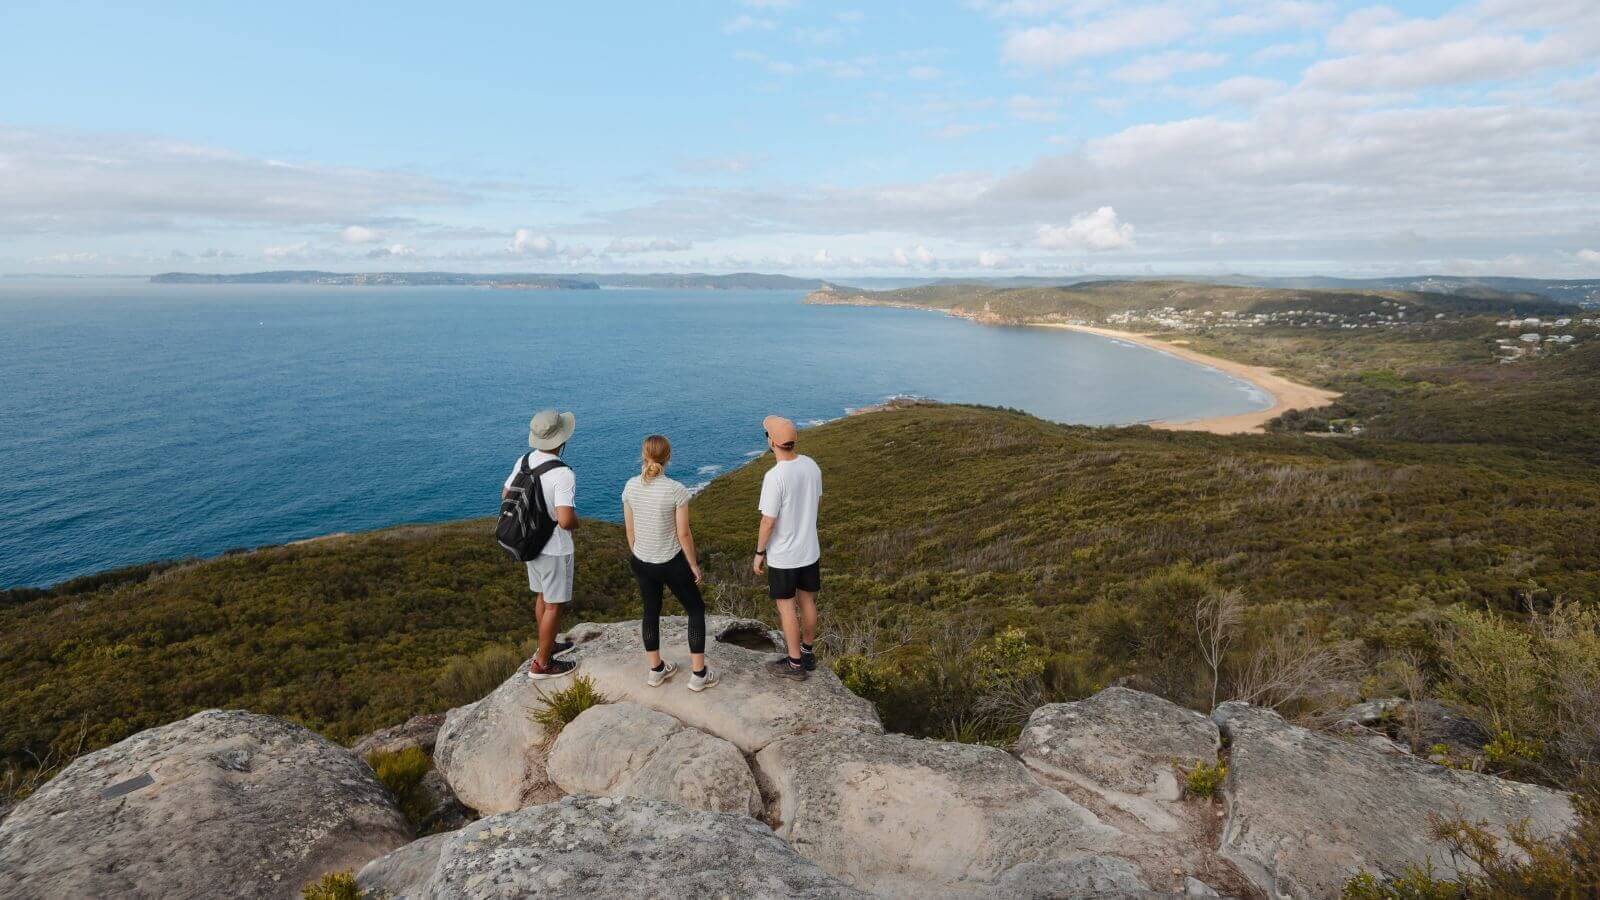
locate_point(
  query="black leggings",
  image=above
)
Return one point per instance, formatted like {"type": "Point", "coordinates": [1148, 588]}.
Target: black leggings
{"type": "Point", "coordinates": [675, 574]}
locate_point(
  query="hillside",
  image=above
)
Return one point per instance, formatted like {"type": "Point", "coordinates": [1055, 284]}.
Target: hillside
{"type": "Point", "coordinates": [1096, 301]}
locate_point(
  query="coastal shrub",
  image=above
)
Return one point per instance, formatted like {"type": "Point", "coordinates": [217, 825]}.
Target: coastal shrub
{"type": "Point", "coordinates": [401, 771]}
{"type": "Point", "coordinates": [1204, 780]}
{"type": "Point", "coordinates": [469, 678]}
{"type": "Point", "coordinates": [555, 711]}
{"type": "Point", "coordinates": [1563, 867]}
{"type": "Point", "coordinates": [333, 886]}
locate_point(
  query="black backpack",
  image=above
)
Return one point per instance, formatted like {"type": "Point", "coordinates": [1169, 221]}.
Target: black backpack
{"type": "Point", "coordinates": [526, 521]}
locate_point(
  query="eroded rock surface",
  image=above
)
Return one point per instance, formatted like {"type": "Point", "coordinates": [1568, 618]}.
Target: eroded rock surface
{"type": "Point", "coordinates": [603, 847]}
{"type": "Point", "coordinates": [625, 750]}
{"type": "Point", "coordinates": [1129, 747]}
{"type": "Point", "coordinates": [1307, 811]}
{"type": "Point", "coordinates": [492, 752]}
{"type": "Point", "coordinates": [750, 708]}
{"type": "Point", "coordinates": [236, 805]}
{"type": "Point", "coordinates": [903, 817]}
{"type": "Point", "coordinates": [418, 731]}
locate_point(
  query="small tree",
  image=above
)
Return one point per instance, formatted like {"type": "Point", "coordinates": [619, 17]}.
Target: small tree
{"type": "Point", "coordinates": [1216, 615]}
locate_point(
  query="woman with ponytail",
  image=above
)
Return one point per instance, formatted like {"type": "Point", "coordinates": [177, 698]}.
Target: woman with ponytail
{"type": "Point", "coordinates": [655, 511]}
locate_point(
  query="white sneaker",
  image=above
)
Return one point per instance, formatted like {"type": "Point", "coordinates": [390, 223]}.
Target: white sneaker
{"type": "Point", "coordinates": [657, 679]}
{"type": "Point", "coordinates": [699, 683]}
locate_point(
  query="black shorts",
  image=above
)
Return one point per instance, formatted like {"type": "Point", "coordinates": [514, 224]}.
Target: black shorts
{"type": "Point", "coordinates": [782, 583]}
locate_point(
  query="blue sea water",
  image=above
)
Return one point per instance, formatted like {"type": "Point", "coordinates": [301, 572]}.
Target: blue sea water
{"type": "Point", "coordinates": [141, 422]}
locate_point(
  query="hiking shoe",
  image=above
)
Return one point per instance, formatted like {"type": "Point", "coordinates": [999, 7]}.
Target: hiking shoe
{"type": "Point", "coordinates": [698, 683]}
{"type": "Point", "coordinates": [808, 661]}
{"type": "Point", "coordinates": [782, 668]}
{"type": "Point", "coordinates": [555, 668]}
{"type": "Point", "coordinates": [657, 679]}
{"type": "Point", "coordinates": [561, 647]}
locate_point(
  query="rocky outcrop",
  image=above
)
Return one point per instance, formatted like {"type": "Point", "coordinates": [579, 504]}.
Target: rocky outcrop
{"type": "Point", "coordinates": [625, 750]}
{"type": "Point", "coordinates": [221, 804]}
{"type": "Point", "coordinates": [750, 708]}
{"type": "Point", "coordinates": [492, 752]}
{"type": "Point", "coordinates": [903, 817]}
{"type": "Point", "coordinates": [1307, 811]}
{"type": "Point", "coordinates": [1128, 747]}
{"type": "Point", "coordinates": [418, 731]}
{"type": "Point", "coordinates": [603, 847]}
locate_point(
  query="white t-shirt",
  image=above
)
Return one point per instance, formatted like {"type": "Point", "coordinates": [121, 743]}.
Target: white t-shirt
{"type": "Point", "coordinates": [789, 493]}
{"type": "Point", "coordinates": [560, 488]}
{"type": "Point", "coordinates": [654, 505]}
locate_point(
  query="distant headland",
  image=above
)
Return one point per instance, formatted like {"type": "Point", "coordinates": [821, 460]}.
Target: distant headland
{"type": "Point", "coordinates": [582, 281]}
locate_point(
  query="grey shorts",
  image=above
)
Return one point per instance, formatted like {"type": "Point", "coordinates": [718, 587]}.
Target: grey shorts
{"type": "Point", "coordinates": [552, 577]}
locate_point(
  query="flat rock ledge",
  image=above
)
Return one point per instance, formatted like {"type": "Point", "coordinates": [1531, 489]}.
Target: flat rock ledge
{"type": "Point", "coordinates": [1307, 811]}
{"type": "Point", "coordinates": [494, 755]}
{"type": "Point", "coordinates": [602, 847]}
{"type": "Point", "coordinates": [902, 817]}
{"type": "Point", "coordinates": [1128, 747]}
{"type": "Point", "coordinates": [222, 804]}
{"type": "Point", "coordinates": [625, 750]}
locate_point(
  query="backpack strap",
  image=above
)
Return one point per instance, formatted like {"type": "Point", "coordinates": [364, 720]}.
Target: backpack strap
{"type": "Point", "coordinates": [547, 465]}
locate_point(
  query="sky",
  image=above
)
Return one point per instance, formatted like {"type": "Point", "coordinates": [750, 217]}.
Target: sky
{"type": "Point", "coordinates": [1045, 137]}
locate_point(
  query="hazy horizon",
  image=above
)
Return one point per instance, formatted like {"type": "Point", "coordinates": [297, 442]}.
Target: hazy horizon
{"type": "Point", "coordinates": [823, 139]}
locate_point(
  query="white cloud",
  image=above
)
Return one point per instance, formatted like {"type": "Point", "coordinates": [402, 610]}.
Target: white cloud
{"type": "Point", "coordinates": [1162, 66]}
{"type": "Point", "coordinates": [391, 251]}
{"type": "Point", "coordinates": [1098, 230]}
{"type": "Point", "coordinates": [287, 251]}
{"type": "Point", "coordinates": [1059, 44]}
{"type": "Point", "coordinates": [56, 181]}
{"type": "Point", "coordinates": [988, 259]}
{"type": "Point", "coordinates": [1033, 109]}
{"type": "Point", "coordinates": [1590, 256]}
{"type": "Point", "coordinates": [627, 246]}
{"type": "Point", "coordinates": [922, 73]}
{"type": "Point", "coordinates": [1244, 89]}
{"type": "Point", "coordinates": [1273, 15]}
{"type": "Point", "coordinates": [746, 22]}
{"type": "Point", "coordinates": [1286, 50]}
{"type": "Point", "coordinates": [822, 258]}
{"type": "Point", "coordinates": [358, 234]}
{"type": "Point", "coordinates": [923, 255]}
{"type": "Point", "coordinates": [525, 242]}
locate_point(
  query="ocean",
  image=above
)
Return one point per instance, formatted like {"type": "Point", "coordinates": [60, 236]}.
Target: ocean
{"type": "Point", "coordinates": [141, 422]}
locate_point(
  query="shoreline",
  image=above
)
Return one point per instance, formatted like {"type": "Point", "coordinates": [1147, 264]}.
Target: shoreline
{"type": "Point", "coordinates": [1286, 394]}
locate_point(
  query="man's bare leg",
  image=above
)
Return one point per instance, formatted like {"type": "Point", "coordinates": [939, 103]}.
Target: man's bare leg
{"type": "Point", "coordinates": [548, 615]}
{"type": "Point", "coordinates": [791, 626]}
{"type": "Point", "coordinates": [806, 601]}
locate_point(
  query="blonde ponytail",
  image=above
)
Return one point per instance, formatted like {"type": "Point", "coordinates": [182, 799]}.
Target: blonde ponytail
{"type": "Point", "coordinates": [655, 454]}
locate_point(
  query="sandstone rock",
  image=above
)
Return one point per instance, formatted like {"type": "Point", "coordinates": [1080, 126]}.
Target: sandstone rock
{"type": "Point", "coordinates": [749, 708]}
{"type": "Point", "coordinates": [401, 874]}
{"type": "Point", "coordinates": [446, 812]}
{"type": "Point", "coordinates": [492, 752]}
{"type": "Point", "coordinates": [1123, 745]}
{"type": "Point", "coordinates": [898, 816]}
{"type": "Point", "coordinates": [236, 805]}
{"type": "Point", "coordinates": [625, 750]}
{"type": "Point", "coordinates": [1307, 811]}
{"type": "Point", "coordinates": [418, 731]}
{"type": "Point", "coordinates": [603, 847]}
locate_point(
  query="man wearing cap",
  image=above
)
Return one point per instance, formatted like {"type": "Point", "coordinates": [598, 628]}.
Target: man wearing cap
{"type": "Point", "coordinates": [550, 573]}
{"type": "Point", "coordinates": [787, 548]}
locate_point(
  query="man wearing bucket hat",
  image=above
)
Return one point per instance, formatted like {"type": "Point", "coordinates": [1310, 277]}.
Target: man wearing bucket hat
{"type": "Point", "coordinates": [787, 549]}
{"type": "Point", "coordinates": [550, 573]}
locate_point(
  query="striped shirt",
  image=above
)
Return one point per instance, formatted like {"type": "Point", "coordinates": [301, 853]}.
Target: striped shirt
{"type": "Point", "coordinates": [654, 505]}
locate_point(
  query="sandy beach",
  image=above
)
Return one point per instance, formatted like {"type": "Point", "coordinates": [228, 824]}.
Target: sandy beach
{"type": "Point", "coordinates": [1286, 394]}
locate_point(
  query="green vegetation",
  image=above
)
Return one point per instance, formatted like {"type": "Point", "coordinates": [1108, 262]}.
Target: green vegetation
{"type": "Point", "coordinates": [402, 771]}
{"type": "Point", "coordinates": [1204, 780]}
{"type": "Point", "coordinates": [344, 635]}
{"type": "Point", "coordinates": [332, 886]}
{"type": "Point", "coordinates": [1560, 868]}
{"type": "Point", "coordinates": [979, 562]}
{"type": "Point", "coordinates": [556, 711]}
